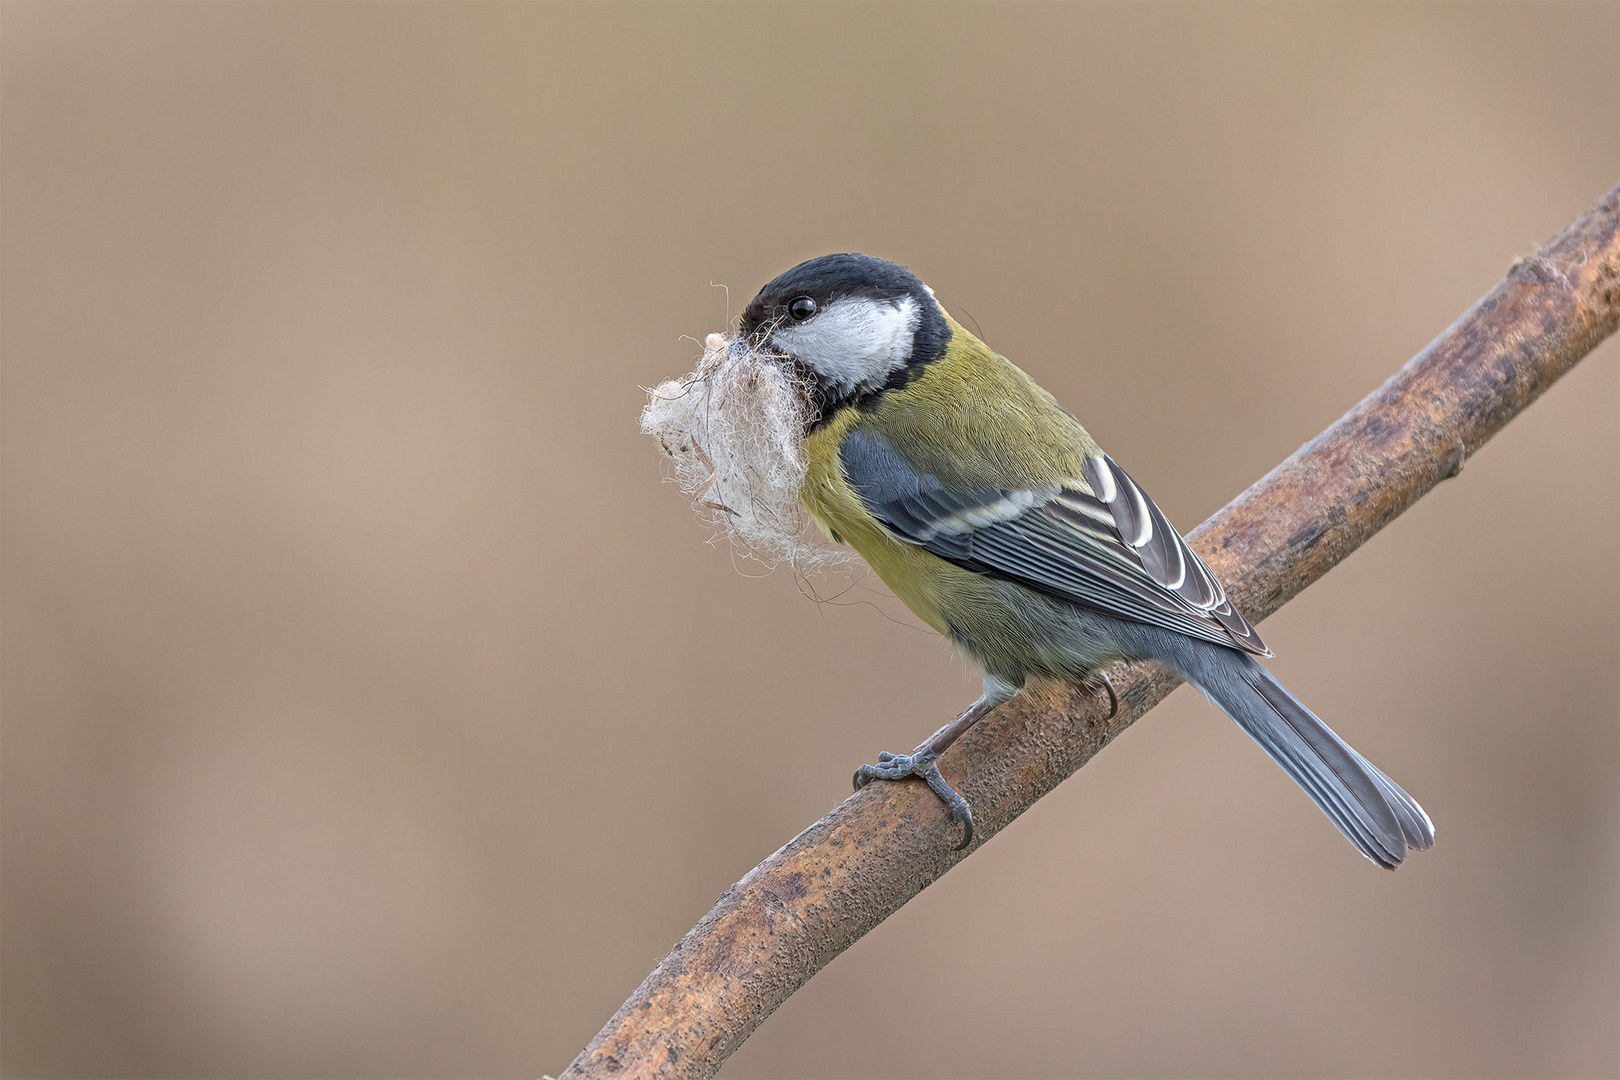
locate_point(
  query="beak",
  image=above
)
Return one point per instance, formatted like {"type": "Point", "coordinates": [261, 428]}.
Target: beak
{"type": "Point", "coordinates": [762, 348]}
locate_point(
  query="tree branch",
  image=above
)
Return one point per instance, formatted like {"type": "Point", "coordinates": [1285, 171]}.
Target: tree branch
{"type": "Point", "coordinates": [774, 929]}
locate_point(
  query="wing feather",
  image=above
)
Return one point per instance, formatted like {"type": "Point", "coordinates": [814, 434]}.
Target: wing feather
{"type": "Point", "coordinates": [1100, 541]}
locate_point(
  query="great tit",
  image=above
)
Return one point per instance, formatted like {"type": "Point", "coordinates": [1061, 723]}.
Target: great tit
{"type": "Point", "coordinates": [986, 507]}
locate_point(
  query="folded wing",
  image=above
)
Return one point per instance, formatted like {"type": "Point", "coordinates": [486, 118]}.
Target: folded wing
{"type": "Point", "coordinates": [1099, 541]}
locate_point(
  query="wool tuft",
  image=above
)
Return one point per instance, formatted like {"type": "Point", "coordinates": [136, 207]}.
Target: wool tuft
{"type": "Point", "coordinates": [733, 431]}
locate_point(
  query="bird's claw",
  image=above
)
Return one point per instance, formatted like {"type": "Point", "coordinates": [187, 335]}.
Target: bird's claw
{"type": "Point", "coordinates": [1100, 681]}
{"type": "Point", "coordinates": [961, 812]}
{"type": "Point", "coordinates": [925, 767]}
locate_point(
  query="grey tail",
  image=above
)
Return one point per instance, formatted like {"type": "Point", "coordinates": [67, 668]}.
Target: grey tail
{"type": "Point", "coordinates": [1372, 811]}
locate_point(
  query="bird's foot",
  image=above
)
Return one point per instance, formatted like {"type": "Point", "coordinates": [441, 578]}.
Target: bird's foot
{"type": "Point", "coordinates": [894, 767]}
{"type": "Point", "coordinates": [924, 764]}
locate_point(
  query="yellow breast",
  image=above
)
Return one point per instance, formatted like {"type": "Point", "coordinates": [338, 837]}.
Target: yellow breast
{"type": "Point", "coordinates": [916, 576]}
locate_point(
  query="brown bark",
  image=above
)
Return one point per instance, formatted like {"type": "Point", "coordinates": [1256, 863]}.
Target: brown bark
{"type": "Point", "coordinates": [774, 929]}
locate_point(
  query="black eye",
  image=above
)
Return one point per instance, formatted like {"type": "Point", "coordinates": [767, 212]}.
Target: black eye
{"type": "Point", "coordinates": [802, 308]}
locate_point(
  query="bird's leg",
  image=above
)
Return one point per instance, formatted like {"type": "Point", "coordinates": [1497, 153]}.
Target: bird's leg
{"type": "Point", "coordinates": [1099, 680]}
{"type": "Point", "coordinates": [923, 762]}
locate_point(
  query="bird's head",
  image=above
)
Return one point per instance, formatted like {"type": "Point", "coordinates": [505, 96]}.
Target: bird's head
{"type": "Point", "coordinates": [854, 324]}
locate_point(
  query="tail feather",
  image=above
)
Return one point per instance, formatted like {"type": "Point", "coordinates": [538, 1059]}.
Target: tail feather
{"type": "Point", "coordinates": [1349, 796]}
{"type": "Point", "coordinates": [1369, 808]}
{"type": "Point", "coordinates": [1415, 823]}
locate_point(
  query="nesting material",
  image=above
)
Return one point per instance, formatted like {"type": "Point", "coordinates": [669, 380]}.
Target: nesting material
{"type": "Point", "coordinates": [733, 431]}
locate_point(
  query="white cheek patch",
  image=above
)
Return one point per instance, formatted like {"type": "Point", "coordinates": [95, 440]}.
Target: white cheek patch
{"type": "Point", "coordinates": [733, 432]}
{"type": "Point", "coordinates": [854, 342]}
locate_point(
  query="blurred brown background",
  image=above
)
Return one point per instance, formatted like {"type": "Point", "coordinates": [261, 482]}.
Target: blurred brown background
{"type": "Point", "coordinates": [371, 709]}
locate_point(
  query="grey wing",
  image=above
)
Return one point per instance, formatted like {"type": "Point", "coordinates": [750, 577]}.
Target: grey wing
{"type": "Point", "coordinates": [1109, 548]}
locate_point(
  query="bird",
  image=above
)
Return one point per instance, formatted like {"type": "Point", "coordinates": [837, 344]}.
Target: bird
{"type": "Point", "coordinates": [992, 513]}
